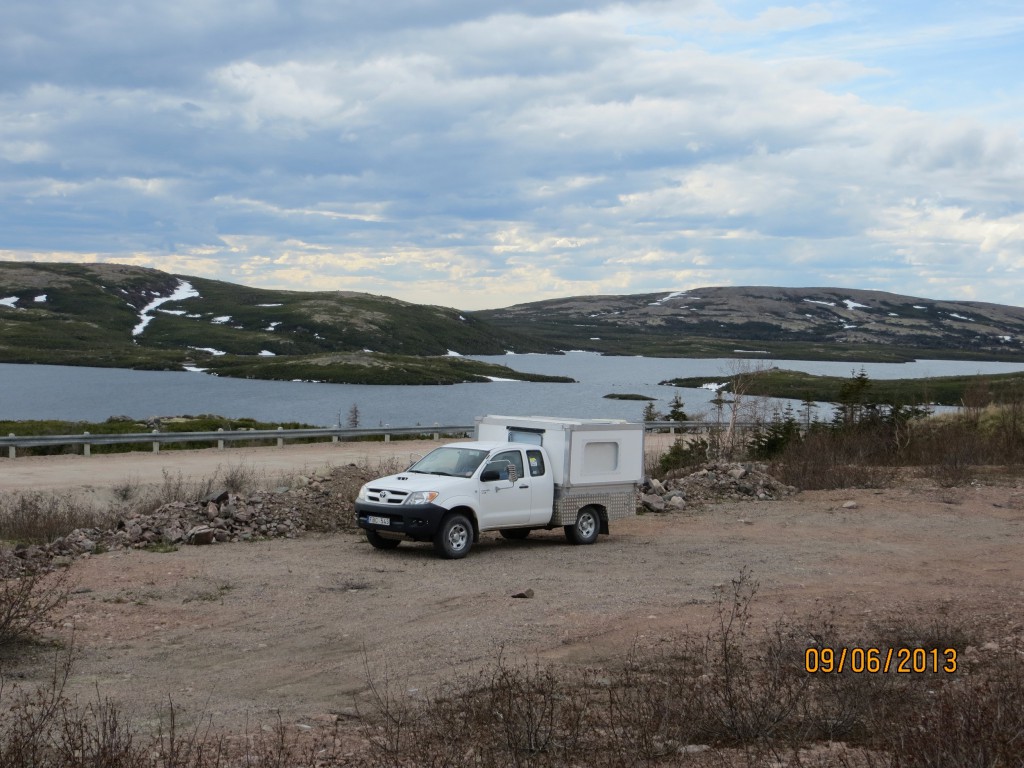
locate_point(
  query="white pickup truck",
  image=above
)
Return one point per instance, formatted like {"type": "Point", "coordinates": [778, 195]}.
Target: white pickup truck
{"type": "Point", "coordinates": [519, 474]}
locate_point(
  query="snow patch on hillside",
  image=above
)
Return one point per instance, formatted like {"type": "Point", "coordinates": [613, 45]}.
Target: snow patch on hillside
{"type": "Point", "coordinates": [182, 292]}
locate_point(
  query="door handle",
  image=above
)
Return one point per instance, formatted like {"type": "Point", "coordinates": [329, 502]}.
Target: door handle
{"type": "Point", "coordinates": [524, 486]}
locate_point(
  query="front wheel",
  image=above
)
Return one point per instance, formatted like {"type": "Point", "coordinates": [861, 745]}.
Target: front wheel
{"type": "Point", "coordinates": [380, 542]}
{"type": "Point", "coordinates": [586, 528]}
{"type": "Point", "coordinates": [454, 538]}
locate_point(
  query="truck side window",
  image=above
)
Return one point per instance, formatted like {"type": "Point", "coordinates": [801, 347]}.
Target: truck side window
{"type": "Point", "coordinates": [502, 460]}
{"type": "Point", "coordinates": [536, 461]}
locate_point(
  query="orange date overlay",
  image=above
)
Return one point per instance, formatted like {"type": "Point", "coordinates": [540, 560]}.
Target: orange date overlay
{"type": "Point", "coordinates": [871, 660]}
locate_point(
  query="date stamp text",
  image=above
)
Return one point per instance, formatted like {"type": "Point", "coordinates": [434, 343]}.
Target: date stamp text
{"type": "Point", "coordinates": [879, 660]}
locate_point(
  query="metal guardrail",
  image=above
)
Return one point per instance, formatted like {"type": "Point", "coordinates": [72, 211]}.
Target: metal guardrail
{"type": "Point", "coordinates": [280, 435]}
{"type": "Point", "coordinates": [220, 437]}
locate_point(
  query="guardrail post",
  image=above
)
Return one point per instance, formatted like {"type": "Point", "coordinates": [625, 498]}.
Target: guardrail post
{"type": "Point", "coordinates": [334, 438]}
{"type": "Point", "coordinates": [12, 451]}
{"type": "Point", "coordinates": [220, 443]}
{"type": "Point", "coordinates": [86, 447]}
{"type": "Point", "coordinates": [280, 440]}
{"type": "Point", "coordinates": [387, 437]}
{"type": "Point", "coordinates": [156, 443]}
{"type": "Point", "coordinates": [436, 435]}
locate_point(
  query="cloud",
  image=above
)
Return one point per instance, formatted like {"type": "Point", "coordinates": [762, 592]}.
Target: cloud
{"type": "Point", "coordinates": [476, 151]}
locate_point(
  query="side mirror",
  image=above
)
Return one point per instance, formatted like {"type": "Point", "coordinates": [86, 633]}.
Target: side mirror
{"type": "Point", "coordinates": [489, 476]}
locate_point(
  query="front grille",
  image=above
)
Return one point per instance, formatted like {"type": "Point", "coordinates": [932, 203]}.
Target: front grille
{"type": "Point", "coordinates": [390, 496]}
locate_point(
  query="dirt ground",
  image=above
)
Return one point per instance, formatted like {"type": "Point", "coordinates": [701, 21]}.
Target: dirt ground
{"type": "Point", "coordinates": [242, 632]}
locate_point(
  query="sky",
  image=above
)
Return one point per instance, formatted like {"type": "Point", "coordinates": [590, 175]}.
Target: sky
{"type": "Point", "coordinates": [479, 153]}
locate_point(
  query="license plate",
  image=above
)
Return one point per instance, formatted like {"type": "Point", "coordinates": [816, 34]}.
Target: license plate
{"type": "Point", "coordinates": [374, 520]}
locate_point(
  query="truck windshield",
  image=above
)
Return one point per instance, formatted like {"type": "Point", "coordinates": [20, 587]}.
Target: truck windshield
{"type": "Point", "coordinates": [456, 462]}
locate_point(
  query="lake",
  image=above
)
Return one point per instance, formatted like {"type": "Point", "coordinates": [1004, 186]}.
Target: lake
{"type": "Point", "coordinates": [94, 394]}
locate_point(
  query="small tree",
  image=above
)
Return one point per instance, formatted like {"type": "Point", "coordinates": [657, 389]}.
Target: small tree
{"type": "Point", "coordinates": [650, 413]}
{"type": "Point", "coordinates": [353, 416]}
{"type": "Point", "coordinates": [675, 409]}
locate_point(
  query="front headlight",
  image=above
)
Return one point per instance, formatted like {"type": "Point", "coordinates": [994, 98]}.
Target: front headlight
{"type": "Point", "coordinates": [364, 493]}
{"type": "Point", "coordinates": [421, 497]}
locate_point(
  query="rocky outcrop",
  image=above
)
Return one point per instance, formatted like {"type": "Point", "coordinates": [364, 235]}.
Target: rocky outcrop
{"type": "Point", "coordinates": [712, 482]}
{"type": "Point", "coordinates": [320, 501]}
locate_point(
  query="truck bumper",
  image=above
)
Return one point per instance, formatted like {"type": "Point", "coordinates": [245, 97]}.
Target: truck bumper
{"type": "Point", "coordinates": [418, 521]}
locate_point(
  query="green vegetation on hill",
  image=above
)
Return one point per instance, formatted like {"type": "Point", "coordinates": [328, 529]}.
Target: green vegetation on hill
{"type": "Point", "coordinates": [942, 390]}
{"type": "Point", "coordinates": [82, 314]}
{"type": "Point", "coordinates": [369, 368]}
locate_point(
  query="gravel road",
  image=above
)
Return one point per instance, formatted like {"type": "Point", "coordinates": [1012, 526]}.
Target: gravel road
{"type": "Point", "coordinates": [244, 632]}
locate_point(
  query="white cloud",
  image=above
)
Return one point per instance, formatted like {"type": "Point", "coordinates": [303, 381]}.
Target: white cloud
{"type": "Point", "coordinates": [476, 153]}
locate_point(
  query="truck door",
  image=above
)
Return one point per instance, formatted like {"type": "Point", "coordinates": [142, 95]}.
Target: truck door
{"type": "Point", "coordinates": [542, 487]}
{"type": "Point", "coordinates": [502, 502]}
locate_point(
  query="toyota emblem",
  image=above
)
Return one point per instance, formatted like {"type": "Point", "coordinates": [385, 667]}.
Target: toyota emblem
{"type": "Point", "coordinates": [382, 495]}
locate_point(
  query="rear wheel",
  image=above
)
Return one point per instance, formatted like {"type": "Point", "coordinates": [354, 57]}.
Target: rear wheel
{"type": "Point", "coordinates": [380, 542]}
{"type": "Point", "coordinates": [586, 528]}
{"type": "Point", "coordinates": [454, 538]}
{"type": "Point", "coordinates": [516, 534]}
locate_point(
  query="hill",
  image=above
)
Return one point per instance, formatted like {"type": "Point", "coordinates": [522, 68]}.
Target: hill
{"type": "Point", "coordinates": [795, 323]}
{"type": "Point", "coordinates": [120, 316]}
{"type": "Point", "coordinates": [113, 315]}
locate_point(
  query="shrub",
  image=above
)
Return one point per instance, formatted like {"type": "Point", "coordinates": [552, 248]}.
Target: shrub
{"type": "Point", "coordinates": [685, 453]}
{"type": "Point", "coordinates": [27, 602]}
{"type": "Point", "coordinates": [39, 518]}
{"type": "Point", "coordinates": [826, 458]}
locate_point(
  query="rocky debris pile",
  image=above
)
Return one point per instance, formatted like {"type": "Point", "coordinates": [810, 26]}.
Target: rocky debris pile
{"type": "Point", "coordinates": [320, 501]}
{"type": "Point", "coordinates": [713, 482]}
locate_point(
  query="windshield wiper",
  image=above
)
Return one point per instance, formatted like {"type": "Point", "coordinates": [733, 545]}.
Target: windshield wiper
{"type": "Point", "coordinates": [446, 474]}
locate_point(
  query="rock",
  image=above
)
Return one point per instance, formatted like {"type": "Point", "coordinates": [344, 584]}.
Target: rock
{"type": "Point", "coordinates": [652, 502]}
{"type": "Point", "coordinates": [528, 593]}
{"type": "Point", "coordinates": [738, 473]}
{"type": "Point", "coordinates": [217, 497]}
{"type": "Point", "coordinates": [200, 534]}
{"type": "Point", "coordinates": [243, 515]}
{"type": "Point", "coordinates": [693, 749]}
{"type": "Point", "coordinates": [173, 535]}
{"type": "Point", "coordinates": [222, 535]}
{"type": "Point", "coordinates": [676, 502]}
{"type": "Point", "coordinates": [212, 511]}
{"type": "Point", "coordinates": [657, 487]}
{"type": "Point", "coordinates": [850, 505]}
{"type": "Point", "coordinates": [990, 646]}
{"type": "Point", "coordinates": [61, 561]}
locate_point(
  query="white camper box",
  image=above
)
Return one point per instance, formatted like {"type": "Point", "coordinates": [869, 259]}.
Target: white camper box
{"type": "Point", "coordinates": [597, 461]}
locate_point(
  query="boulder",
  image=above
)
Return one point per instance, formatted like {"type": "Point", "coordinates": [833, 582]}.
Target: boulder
{"type": "Point", "coordinates": [653, 502]}
{"type": "Point", "coordinates": [200, 534]}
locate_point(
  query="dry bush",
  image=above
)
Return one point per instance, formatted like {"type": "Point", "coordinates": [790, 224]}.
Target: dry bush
{"type": "Point", "coordinates": [975, 722]}
{"type": "Point", "coordinates": [738, 696]}
{"type": "Point", "coordinates": [43, 728]}
{"type": "Point", "coordinates": [27, 602]}
{"type": "Point", "coordinates": [825, 459]}
{"type": "Point", "coordinates": [39, 518]}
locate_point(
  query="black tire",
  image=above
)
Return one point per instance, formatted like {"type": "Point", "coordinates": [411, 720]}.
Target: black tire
{"type": "Point", "coordinates": [586, 528]}
{"type": "Point", "coordinates": [515, 534]}
{"type": "Point", "coordinates": [454, 538]}
{"type": "Point", "coordinates": [380, 542]}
